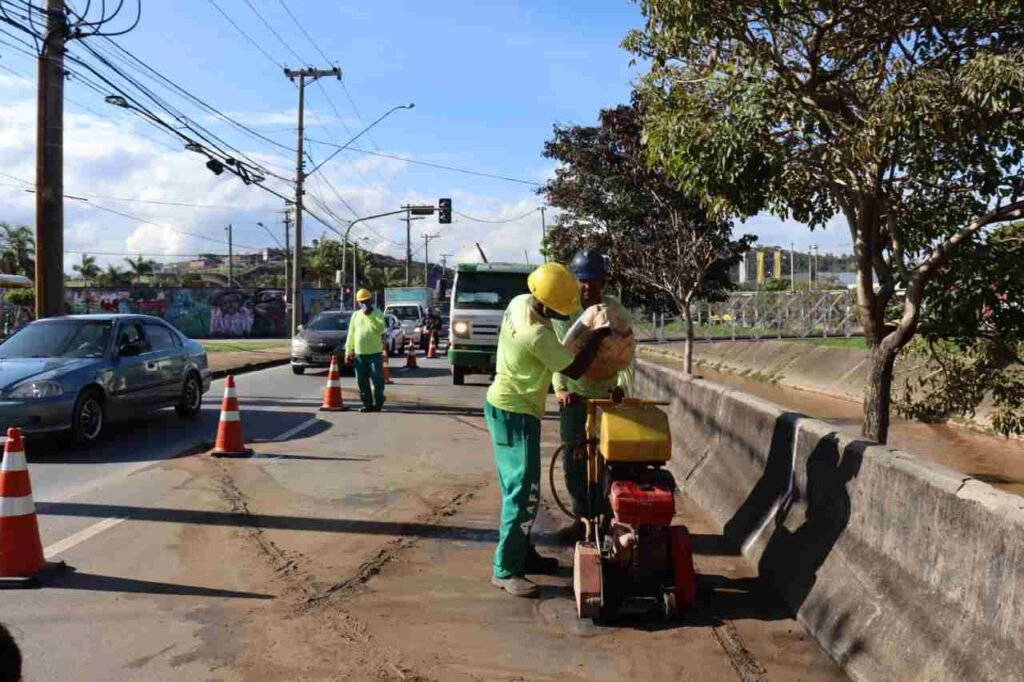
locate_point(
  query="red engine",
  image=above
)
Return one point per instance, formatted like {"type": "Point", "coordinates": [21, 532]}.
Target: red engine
{"type": "Point", "coordinates": [642, 504]}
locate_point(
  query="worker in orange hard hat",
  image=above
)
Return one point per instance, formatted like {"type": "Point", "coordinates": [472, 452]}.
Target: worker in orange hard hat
{"type": "Point", "coordinates": [363, 348]}
{"type": "Point", "coordinates": [528, 354]}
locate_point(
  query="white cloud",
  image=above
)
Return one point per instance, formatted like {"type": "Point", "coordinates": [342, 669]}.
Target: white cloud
{"type": "Point", "coordinates": [110, 159]}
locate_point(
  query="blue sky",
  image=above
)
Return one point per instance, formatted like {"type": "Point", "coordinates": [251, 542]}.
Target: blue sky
{"type": "Point", "coordinates": [488, 79]}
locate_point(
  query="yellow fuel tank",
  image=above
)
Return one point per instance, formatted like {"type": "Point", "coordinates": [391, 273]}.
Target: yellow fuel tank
{"type": "Point", "coordinates": [634, 433]}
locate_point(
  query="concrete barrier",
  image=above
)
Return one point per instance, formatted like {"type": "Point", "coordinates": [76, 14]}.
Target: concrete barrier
{"type": "Point", "coordinates": [901, 569]}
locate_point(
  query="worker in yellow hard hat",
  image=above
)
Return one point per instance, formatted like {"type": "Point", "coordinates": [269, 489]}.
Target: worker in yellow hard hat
{"type": "Point", "coordinates": [528, 354]}
{"type": "Point", "coordinates": [363, 348]}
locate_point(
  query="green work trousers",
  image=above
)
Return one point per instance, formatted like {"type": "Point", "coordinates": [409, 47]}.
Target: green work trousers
{"type": "Point", "coordinates": [369, 368]}
{"type": "Point", "coordinates": [572, 426]}
{"type": "Point", "coordinates": [516, 441]}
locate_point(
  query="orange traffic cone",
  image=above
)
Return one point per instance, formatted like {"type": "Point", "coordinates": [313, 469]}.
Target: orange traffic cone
{"type": "Point", "coordinates": [410, 357]}
{"type": "Point", "coordinates": [333, 402]}
{"type": "Point", "coordinates": [432, 348]}
{"type": "Point", "coordinates": [384, 366]}
{"type": "Point", "coordinates": [230, 442]}
{"type": "Point", "coordinates": [21, 549]}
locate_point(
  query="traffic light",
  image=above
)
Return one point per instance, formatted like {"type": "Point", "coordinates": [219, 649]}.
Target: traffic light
{"type": "Point", "coordinates": [444, 211]}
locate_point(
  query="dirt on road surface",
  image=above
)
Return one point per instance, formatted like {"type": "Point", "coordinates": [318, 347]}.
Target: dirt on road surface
{"type": "Point", "coordinates": [358, 547]}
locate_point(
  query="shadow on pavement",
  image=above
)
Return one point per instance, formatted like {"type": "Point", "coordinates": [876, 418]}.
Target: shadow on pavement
{"type": "Point", "coordinates": [420, 372]}
{"type": "Point", "coordinates": [104, 583]}
{"type": "Point", "coordinates": [712, 545]}
{"type": "Point", "coordinates": [299, 523]}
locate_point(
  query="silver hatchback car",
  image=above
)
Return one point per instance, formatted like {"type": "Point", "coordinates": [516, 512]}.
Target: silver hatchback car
{"type": "Point", "coordinates": [75, 373]}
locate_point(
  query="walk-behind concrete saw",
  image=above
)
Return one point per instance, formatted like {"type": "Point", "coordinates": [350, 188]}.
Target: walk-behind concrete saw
{"type": "Point", "coordinates": [632, 555]}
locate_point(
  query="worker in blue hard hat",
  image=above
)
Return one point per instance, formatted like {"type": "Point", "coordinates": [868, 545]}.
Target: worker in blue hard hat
{"type": "Point", "coordinates": [590, 268]}
{"type": "Point", "coordinates": [528, 354]}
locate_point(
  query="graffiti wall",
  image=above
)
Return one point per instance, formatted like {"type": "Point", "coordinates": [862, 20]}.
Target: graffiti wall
{"type": "Point", "coordinates": [205, 313]}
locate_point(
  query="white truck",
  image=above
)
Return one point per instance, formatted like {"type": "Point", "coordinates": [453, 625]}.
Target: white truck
{"type": "Point", "coordinates": [480, 294]}
{"type": "Point", "coordinates": [409, 305]}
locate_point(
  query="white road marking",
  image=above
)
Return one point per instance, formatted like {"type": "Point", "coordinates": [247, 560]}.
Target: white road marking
{"type": "Point", "coordinates": [296, 430]}
{"type": "Point", "coordinates": [81, 536]}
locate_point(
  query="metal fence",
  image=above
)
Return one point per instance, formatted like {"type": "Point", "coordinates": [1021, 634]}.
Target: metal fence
{"type": "Point", "coordinates": [767, 314]}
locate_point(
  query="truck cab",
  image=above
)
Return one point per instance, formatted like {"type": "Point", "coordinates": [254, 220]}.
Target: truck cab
{"type": "Point", "coordinates": [480, 294]}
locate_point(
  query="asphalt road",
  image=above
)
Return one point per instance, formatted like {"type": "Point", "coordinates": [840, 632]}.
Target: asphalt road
{"type": "Point", "coordinates": [352, 546]}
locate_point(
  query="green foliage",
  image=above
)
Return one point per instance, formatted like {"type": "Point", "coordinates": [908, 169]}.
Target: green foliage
{"type": "Point", "coordinates": [904, 117]}
{"type": "Point", "coordinates": [139, 267]}
{"type": "Point", "coordinates": [661, 244]}
{"type": "Point", "coordinates": [973, 336]}
{"type": "Point", "coordinates": [87, 269]}
{"type": "Point", "coordinates": [114, 276]}
{"type": "Point", "coordinates": [23, 297]}
{"type": "Point", "coordinates": [17, 250]}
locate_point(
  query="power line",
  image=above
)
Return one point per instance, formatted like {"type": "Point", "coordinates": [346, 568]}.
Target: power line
{"type": "Point", "coordinates": [308, 37]}
{"type": "Point", "coordinates": [430, 164]}
{"type": "Point", "coordinates": [245, 35]}
{"type": "Point", "coordinates": [274, 31]}
{"type": "Point", "coordinates": [495, 222]}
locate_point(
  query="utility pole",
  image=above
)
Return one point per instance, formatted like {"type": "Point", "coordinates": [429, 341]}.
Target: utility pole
{"type": "Point", "coordinates": [427, 238]}
{"type": "Point", "coordinates": [792, 267]}
{"type": "Point", "coordinates": [408, 243]}
{"type": "Point", "coordinates": [444, 261]}
{"type": "Point", "coordinates": [543, 234]}
{"type": "Point", "coordinates": [815, 249]}
{"type": "Point", "coordinates": [302, 75]}
{"type": "Point", "coordinates": [49, 274]}
{"type": "Point", "coordinates": [287, 254]}
{"type": "Point", "coordinates": [231, 259]}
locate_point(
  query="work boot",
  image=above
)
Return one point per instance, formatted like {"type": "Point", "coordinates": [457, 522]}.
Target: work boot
{"type": "Point", "coordinates": [367, 409]}
{"type": "Point", "coordinates": [516, 585]}
{"type": "Point", "coordinates": [540, 565]}
{"type": "Point", "coordinates": [571, 533]}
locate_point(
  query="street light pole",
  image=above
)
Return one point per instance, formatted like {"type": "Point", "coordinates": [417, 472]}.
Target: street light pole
{"type": "Point", "coordinates": [349, 229]}
{"type": "Point", "coordinates": [231, 259]}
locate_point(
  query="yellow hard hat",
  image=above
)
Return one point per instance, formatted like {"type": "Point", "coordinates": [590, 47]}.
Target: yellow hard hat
{"type": "Point", "coordinates": [363, 295]}
{"type": "Point", "coordinates": [556, 287]}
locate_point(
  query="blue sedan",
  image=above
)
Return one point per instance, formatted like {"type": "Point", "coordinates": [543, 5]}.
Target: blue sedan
{"type": "Point", "coordinates": [77, 373]}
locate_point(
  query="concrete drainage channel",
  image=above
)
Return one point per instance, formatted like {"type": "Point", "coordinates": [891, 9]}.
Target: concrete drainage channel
{"type": "Point", "coordinates": [901, 569]}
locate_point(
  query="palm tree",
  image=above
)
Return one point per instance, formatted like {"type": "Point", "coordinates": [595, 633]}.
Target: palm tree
{"type": "Point", "coordinates": [113, 276]}
{"type": "Point", "coordinates": [87, 268]}
{"type": "Point", "coordinates": [17, 250]}
{"type": "Point", "coordinates": [140, 267]}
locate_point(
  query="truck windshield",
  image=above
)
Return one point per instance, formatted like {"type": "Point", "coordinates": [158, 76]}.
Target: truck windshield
{"type": "Point", "coordinates": [488, 290]}
{"type": "Point", "coordinates": [405, 312]}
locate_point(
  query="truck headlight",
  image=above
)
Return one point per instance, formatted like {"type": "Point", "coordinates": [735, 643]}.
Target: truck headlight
{"type": "Point", "coordinates": [37, 389]}
{"type": "Point", "coordinates": [461, 328]}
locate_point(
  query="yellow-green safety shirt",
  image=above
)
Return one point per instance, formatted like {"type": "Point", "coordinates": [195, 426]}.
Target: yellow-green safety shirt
{"type": "Point", "coordinates": [585, 386]}
{"type": "Point", "coordinates": [528, 354]}
{"type": "Point", "coordinates": [364, 333]}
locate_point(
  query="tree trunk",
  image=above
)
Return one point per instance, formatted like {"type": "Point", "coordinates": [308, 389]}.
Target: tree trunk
{"type": "Point", "coordinates": [878, 393]}
{"type": "Point", "coordinates": [688, 350]}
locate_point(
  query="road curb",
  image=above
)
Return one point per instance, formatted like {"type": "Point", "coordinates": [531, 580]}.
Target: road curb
{"type": "Point", "coordinates": [250, 367]}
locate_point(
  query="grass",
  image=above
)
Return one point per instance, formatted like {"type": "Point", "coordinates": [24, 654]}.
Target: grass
{"type": "Point", "coordinates": [857, 342]}
{"type": "Point", "coordinates": [233, 346]}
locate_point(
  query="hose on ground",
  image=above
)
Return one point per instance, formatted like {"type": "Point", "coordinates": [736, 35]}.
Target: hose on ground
{"type": "Point", "coordinates": [554, 490]}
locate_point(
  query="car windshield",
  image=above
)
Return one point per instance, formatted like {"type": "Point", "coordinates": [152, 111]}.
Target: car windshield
{"type": "Point", "coordinates": [488, 291]}
{"type": "Point", "coordinates": [59, 339]}
{"type": "Point", "coordinates": [329, 323]}
{"type": "Point", "coordinates": [405, 312]}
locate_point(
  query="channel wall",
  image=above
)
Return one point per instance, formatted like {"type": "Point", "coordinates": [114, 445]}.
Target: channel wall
{"type": "Point", "coordinates": [901, 569]}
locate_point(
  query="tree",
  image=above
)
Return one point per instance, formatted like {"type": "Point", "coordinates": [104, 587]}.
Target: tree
{"type": "Point", "coordinates": [17, 250]}
{"type": "Point", "coordinates": [140, 267]}
{"type": "Point", "coordinates": [657, 237]}
{"type": "Point", "coordinates": [971, 342]}
{"type": "Point", "coordinates": [87, 268]}
{"type": "Point", "coordinates": [902, 117]}
{"type": "Point", "coordinates": [114, 276]}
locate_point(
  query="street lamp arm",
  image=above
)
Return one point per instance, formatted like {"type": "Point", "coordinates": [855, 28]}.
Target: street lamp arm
{"type": "Point", "coordinates": [360, 134]}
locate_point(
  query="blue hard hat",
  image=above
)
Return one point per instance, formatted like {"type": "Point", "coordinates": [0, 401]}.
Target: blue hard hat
{"type": "Point", "coordinates": [589, 264]}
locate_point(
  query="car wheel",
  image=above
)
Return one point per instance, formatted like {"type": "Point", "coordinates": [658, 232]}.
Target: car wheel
{"type": "Point", "coordinates": [88, 418]}
{"type": "Point", "coordinates": [191, 397]}
{"type": "Point", "coordinates": [458, 376]}
{"type": "Point", "coordinates": [298, 369]}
